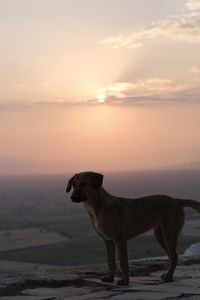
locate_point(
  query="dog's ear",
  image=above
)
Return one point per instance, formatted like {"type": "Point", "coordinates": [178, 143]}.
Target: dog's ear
{"type": "Point", "coordinates": [69, 185]}
{"type": "Point", "coordinates": [96, 179]}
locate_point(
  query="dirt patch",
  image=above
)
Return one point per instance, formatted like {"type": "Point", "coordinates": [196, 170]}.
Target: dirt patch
{"type": "Point", "coordinates": [28, 238]}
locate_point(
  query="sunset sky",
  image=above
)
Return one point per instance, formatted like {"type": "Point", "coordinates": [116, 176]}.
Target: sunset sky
{"type": "Point", "coordinates": [99, 85]}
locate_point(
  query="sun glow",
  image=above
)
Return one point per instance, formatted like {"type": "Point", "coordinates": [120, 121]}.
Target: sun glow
{"type": "Point", "coordinates": [101, 97]}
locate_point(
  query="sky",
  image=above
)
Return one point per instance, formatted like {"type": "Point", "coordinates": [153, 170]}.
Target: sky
{"type": "Point", "coordinates": [99, 85]}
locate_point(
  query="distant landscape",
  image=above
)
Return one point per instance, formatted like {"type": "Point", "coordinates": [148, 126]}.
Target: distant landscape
{"type": "Point", "coordinates": [38, 222]}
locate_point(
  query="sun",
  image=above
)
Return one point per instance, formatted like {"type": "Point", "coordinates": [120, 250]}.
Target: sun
{"type": "Point", "coordinates": [101, 97]}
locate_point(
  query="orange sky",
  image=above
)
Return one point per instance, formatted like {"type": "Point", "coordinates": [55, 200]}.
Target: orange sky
{"type": "Point", "coordinates": [99, 85]}
{"type": "Point", "coordinates": [98, 137]}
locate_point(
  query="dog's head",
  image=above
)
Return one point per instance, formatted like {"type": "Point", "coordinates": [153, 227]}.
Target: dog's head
{"type": "Point", "coordinates": [84, 185]}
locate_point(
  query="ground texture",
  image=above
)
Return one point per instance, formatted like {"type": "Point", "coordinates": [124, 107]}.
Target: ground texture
{"type": "Point", "coordinates": [22, 281]}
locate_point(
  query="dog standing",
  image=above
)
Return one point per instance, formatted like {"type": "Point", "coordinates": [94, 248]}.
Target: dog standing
{"type": "Point", "coordinates": [117, 220]}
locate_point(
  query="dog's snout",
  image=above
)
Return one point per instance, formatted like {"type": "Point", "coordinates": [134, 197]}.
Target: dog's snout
{"type": "Point", "coordinates": [73, 197]}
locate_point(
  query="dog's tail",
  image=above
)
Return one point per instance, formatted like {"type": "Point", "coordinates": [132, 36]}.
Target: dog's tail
{"type": "Point", "coordinates": [190, 203]}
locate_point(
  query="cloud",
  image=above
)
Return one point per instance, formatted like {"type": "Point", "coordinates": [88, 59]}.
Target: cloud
{"type": "Point", "coordinates": [12, 105]}
{"type": "Point", "coordinates": [27, 104]}
{"type": "Point", "coordinates": [142, 87]}
{"type": "Point", "coordinates": [182, 28]}
{"type": "Point", "coordinates": [196, 69]}
{"type": "Point", "coordinates": [193, 5]}
{"type": "Point", "coordinates": [151, 91]}
{"type": "Point", "coordinates": [190, 97]}
{"type": "Point", "coordinates": [131, 41]}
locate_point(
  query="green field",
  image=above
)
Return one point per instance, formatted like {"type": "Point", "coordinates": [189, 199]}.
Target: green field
{"type": "Point", "coordinates": [89, 250]}
{"type": "Point", "coordinates": [83, 246]}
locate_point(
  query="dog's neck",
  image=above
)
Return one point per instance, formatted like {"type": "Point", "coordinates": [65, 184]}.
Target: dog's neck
{"type": "Point", "coordinates": [97, 200]}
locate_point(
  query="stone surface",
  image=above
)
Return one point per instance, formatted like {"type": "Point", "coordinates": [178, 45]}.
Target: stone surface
{"type": "Point", "coordinates": [20, 281]}
{"type": "Point", "coordinates": [57, 293]}
{"type": "Point", "coordinates": [25, 298]}
{"type": "Point", "coordinates": [93, 296]}
{"type": "Point", "coordinates": [144, 295]}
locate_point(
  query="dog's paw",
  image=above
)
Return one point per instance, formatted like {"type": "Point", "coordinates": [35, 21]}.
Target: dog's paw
{"type": "Point", "coordinates": [166, 277]}
{"type": "Point", "coordinates": [122, 282]}
{"type": "Point", "coordinates": [106, 279]}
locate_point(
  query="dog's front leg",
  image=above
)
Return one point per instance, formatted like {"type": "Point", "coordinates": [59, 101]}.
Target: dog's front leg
{"type": "Point", "coordinates": [110, 249]}
{"type": "Point", "coordinates": [123, 258]}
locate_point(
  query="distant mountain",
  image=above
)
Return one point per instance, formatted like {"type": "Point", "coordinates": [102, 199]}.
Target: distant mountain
{"type": "Point", "coordinates": [11, 165]}
{"type": "Point", "coordinates": [194, 165]}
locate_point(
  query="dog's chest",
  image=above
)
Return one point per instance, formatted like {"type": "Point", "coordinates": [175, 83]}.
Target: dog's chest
{"type": "Point", "coordinates": [94, 219]}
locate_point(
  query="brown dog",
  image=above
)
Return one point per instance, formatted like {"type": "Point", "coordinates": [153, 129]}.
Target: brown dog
{"type": "Point", "coordinates": [118, 220]}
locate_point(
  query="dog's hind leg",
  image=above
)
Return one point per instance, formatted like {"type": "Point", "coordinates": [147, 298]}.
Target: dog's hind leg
{"type": "Point", "coordinates": [170, 235]}
{"type": "Point", "coordinates": [111, 257]}
{"type": "Point", "coordinates": [159, 236]}
{"type": "Point", "coordinates": [171, 241]}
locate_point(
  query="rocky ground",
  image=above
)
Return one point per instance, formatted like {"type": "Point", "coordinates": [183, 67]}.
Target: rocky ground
{"type": "Point", "coordinates": [38, 282]}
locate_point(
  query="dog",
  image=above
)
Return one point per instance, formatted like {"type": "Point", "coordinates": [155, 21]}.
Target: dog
{"type": "Point", "coordinates": [117, 220]}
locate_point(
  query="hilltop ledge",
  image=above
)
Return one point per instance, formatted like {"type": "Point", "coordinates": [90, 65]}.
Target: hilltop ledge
{"type": "Point", "coordinates": [23, 281]}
